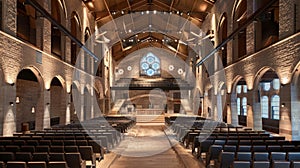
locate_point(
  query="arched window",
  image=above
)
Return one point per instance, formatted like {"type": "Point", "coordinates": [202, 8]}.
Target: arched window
{"type": "Point", "coordinates": [239, 19]}
{"type": "Point", "coordinates": [150, 65]}
{"type": "Point", "coordinates": [26, 22]}
{"type": "Point", "coordinates": [222, 37]}
{"type": "Point", "coordinates": [238, 106]}
{"type": "Point", "coordinates": [75, 28]}
{"type": "Point", "coordinates": [265, 107]}
{"type": "Point", "coordinates": [56, 43]}
{"type": "Point", "coordinates": [275, 107]}
{"type": "Point", "coordinates": [239, 89]}
{"type": "Point", "coordinates": [244, 106]}
{"type": "Point", "coordinates": [276, 84]}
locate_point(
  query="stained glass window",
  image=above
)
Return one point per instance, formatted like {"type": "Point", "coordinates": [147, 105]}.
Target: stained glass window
{"type": "Point", "coordinates": [150, 65]}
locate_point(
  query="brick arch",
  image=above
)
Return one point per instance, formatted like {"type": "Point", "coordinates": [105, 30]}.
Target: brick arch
{"type": "Point", "coordinates": [260, 74]}
{"type": "Point", "coordinates": [37, 74]}
{"type": "Point", "coordinates": [61, 80]}
{"type": "Point", "coordinates": [295, 73]}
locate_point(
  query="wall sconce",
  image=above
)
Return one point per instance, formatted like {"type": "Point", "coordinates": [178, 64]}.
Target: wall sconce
{"type": "Point", "coordinates": [11, 103]}
{"type": "Point", "coordinates": [17, 100]}
{"type": "Point", "coordinates": [282, 104]}
{"type": "Point", "coordinates": [32, 110]}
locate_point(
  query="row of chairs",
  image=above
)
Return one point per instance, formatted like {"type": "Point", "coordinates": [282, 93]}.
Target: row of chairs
{"type": "Point", "coordinates": [259, 160]}
{"type": "Point", "coordinates": [73, 160]}
{"type": "Point", "coordinates": [253, 145]}
{"type": "Point", "coordinates": [215, 150]}
{"type": "Point", "coordinates": [33, 164]}
{"type": "Point", "coordinates": [85, 152]}
{"type": "Point", "coordinates": [265, 164]}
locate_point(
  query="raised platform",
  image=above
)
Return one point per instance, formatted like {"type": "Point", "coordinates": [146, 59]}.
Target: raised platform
{"type": "Point", "coordinates": [150, 118]}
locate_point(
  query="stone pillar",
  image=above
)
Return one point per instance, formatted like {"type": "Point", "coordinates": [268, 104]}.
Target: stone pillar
{"type": "Point", "coordinates": [287, 25]}
{"type": "Point", "coordinates": [219, 115]}
{"type": "Point", "coordinates": [9, 16]}
{"type": "Point", "coordinates": [82, 110]}
{"type": "Point", "coordinates": [234, 115]}
{"type": "Point", "coordinates": [92, 104]}
{"type": "Point", "coordinates": [285, 123]}
{"type": "Point", "coordinates": [47, 111]}
{"type": "Point", "coordinates": [9, 110]}
{"type": "Point", "coordinates": [295, 112]}
{"type": "Point", "coordinates": [256, 110]}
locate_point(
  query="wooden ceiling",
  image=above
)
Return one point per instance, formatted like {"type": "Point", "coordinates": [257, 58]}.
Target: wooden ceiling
{"type": "Point", "coordinates": [106, 11]}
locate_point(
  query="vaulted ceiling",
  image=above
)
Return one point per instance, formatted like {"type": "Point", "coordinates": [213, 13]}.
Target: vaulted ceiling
{"type": "Point", "coordinates": [108, 11]}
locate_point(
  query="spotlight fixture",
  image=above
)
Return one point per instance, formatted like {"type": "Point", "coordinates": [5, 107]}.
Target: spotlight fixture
{"type": "Point", "coordinates": [17, 100]}
{"type": "Point", "coordinates": [32, 110]}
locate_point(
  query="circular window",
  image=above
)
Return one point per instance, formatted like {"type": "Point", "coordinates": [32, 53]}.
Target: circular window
{"type": "Point", "coordinates": [155, 66]}
{"type": "Point", "coordinates": [180, 71]}
{"type": "Point", "coordinates": [145, 66]}
{"type": "Point", "coordinates": [121, 71]}
{"type": "Point", "coordinates": [150, 72]}
{"type": "Point", "coordinates": [129, 68]}
{"type": "Point", "coordinates": [171, 67]}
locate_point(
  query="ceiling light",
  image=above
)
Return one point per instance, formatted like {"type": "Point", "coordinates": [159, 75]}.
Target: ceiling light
{"type": "Point", "coordinates": [154, 11]}
{"type": "Point", "coordinates": [142, 12]}
{"type": "Point", "coordinates": [129, 30]}
{"type": "Point", "coordinates": [122, 12]}
{"type": "Point", "coordinates": [147, 12]}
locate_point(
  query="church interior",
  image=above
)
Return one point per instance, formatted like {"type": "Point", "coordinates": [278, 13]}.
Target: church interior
{"type": "Point", "coordinates": [149, 83]}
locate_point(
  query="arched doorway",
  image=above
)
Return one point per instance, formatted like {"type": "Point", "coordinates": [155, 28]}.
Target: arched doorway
{"type": "Point", "coordinates": [57, 103]}
{"type": "Point", "coordinates": [29, 92]}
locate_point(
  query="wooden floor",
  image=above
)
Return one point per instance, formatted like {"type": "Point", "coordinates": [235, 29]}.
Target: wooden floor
{"type": "Point", "coordinates": [149, 146]}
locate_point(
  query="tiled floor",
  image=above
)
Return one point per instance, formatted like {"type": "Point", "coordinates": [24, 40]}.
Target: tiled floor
{"type": "Point", "coordinates": [148, 146]}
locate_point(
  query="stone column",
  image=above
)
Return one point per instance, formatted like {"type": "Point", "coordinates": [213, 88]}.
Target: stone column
{"type": "Point", "coordinates": [234, 115]}
{"type": "Point", "coordinates": [295, 112]}
{"type": "Point", "coordinates": [256, 110]}
{"type": "Point", "coordinates": [82, 106]}
{"type": "Point", "coordinates": [219, 115]}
